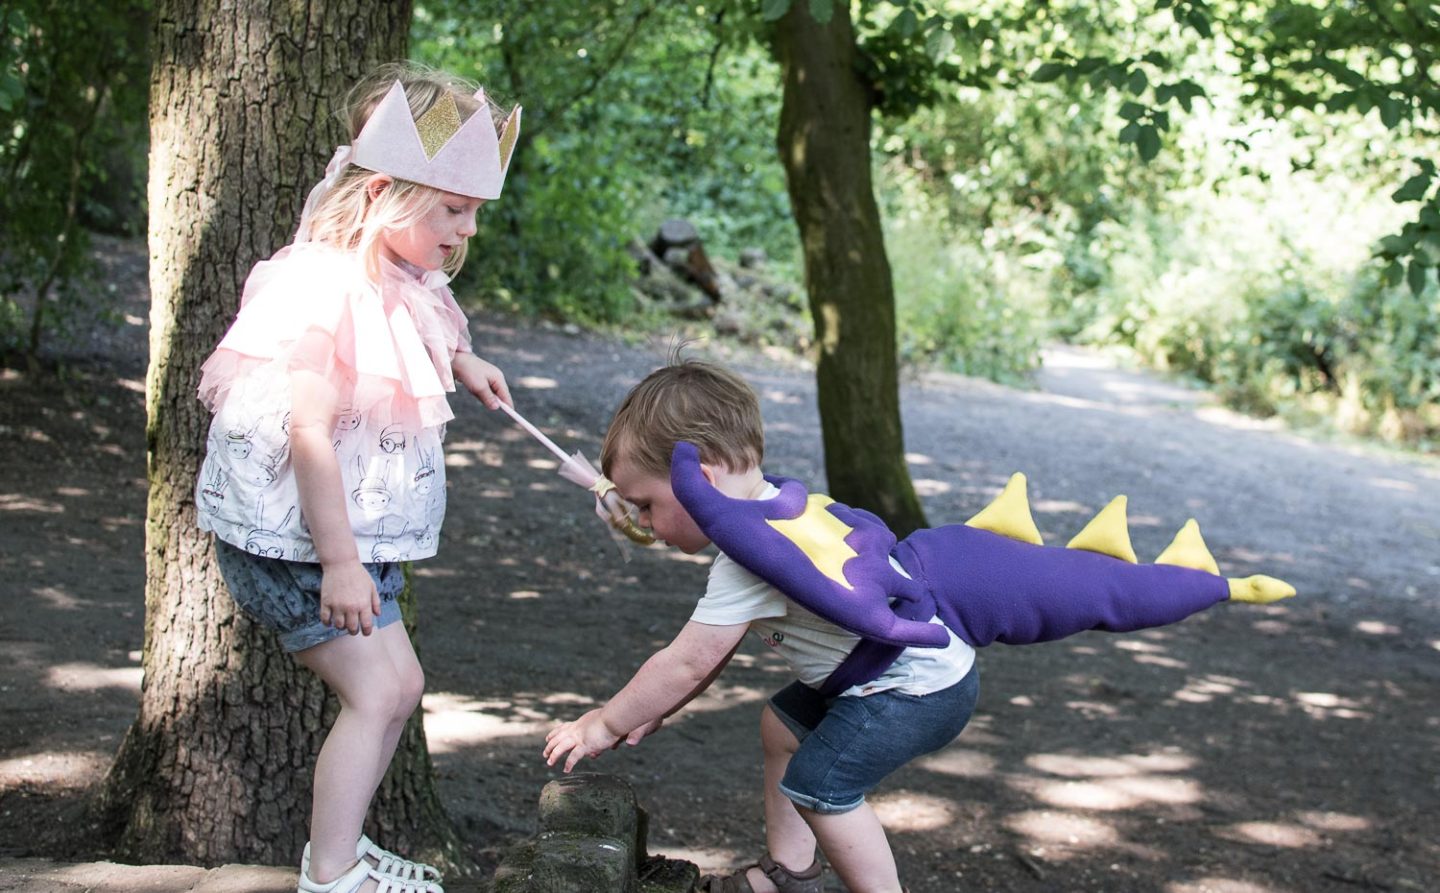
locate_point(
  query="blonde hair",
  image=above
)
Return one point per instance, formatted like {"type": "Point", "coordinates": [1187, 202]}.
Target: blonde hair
{"type": "Point", "coordinates": [691, 400]}
{"type": "Point", "coordinates": [347, 217]}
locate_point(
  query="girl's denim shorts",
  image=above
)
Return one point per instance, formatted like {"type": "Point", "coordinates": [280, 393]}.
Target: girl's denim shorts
{"type": "Point", "coordinates": [848, 744]}
{"type": "Point", "coordinates": [285, 595]}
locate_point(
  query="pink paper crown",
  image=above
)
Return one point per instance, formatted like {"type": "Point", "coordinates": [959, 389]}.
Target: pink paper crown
{"type": "Point", "coordinates": [437, 150]}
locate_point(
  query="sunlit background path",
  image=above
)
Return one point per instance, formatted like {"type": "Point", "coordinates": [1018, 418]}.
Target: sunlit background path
{"type": "Point", "coordinates": [1251, 750]}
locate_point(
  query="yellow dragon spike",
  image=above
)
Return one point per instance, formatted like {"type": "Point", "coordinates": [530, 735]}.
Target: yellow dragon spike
{"type": "Point", "coordinates": [1259, 589]}
{"type": "Point", "coordinates": [1188, 549]}
{"type": "Point", "coordinates": [1107, 533]}
{"type": "Point", "coordinates": [1009, 514]}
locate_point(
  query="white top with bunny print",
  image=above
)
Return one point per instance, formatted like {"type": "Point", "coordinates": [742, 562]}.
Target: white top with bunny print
{"type": "Point", "coordinates": [386, 349]}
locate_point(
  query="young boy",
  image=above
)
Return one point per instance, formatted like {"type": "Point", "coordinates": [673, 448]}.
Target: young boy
{"type": "Point", "coordinates": [821, 755]}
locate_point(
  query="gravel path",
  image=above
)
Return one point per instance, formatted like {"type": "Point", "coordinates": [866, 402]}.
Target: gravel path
{"type": "Point", "coordinates": [1252, 750]}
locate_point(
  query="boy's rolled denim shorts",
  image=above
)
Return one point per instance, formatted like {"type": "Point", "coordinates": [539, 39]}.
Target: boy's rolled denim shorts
{"type": "Point", "coordinates": [285, 595]}
{"type": "Point", "coordinates": [848, 744]}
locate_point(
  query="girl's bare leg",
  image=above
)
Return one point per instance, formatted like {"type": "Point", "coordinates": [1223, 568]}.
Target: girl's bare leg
{"type": "Point", "coordinates": [377, 695]}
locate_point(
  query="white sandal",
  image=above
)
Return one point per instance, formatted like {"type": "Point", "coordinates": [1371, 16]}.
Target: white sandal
{"type": "Point", "coordinates": [424, 878]}
{"type": "Point", "coordinates": [352, 880]}
{"type": "Point", "coordinates": [396, 865]}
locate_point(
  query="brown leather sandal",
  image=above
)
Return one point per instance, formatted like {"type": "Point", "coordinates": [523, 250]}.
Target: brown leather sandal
{"type": "Point", "coordinates": [811, 880]}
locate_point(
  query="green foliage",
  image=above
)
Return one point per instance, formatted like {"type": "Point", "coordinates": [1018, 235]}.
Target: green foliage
{"type": "Point", "coordinates": [1297, 55]}
{"type": "Point", "coordinates": [959, 309]}
{"type": "Point", "coordinates": [73, 87]}
{"type": "Point", "coordinates": [634, 112]}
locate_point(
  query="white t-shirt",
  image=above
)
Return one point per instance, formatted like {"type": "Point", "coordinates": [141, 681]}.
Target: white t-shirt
{"type": "Point", "coordinates": [814, 647]}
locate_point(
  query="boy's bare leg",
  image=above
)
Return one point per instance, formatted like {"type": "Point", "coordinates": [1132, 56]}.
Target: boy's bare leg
{"type": "Point", "coordinates": [376, 698]}
{"type": "Point", "coordinates": [789, 839]}
{"type": "Point", "coordinates": [856, 846]}
{"type": "Point", "coordinates": [853, 841]}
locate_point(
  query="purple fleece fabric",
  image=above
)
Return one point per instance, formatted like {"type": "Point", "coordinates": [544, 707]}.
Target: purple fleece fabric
{"type": "Point", "coordinates": [983, 586]}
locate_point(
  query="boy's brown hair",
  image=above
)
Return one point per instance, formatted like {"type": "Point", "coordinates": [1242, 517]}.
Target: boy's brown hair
{"type": "Point", "coordinates": [692, 400]}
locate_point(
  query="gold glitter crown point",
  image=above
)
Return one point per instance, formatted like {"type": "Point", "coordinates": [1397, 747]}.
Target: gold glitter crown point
{"type": "Point", "coordinates": [438, 125]}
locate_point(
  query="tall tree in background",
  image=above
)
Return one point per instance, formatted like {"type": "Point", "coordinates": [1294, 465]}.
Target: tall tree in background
{"type": "Point", "coordinates": [824, 142]}
{"type": "Point", "coordinates": [216, 767]}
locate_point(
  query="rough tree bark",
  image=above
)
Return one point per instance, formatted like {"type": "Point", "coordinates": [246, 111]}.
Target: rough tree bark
{"type": "Point", "coordinates": [824, 142]}
{"type": "Point", "coordinates": [217, 766]}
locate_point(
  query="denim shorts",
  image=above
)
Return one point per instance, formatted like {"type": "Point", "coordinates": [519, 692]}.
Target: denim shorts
{"type": "Point", "coordinates": [285, 595]}
{"type": "Point", "coordinates": [848, 744]}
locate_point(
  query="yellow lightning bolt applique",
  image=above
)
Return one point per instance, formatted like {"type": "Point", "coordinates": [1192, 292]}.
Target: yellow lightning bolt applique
{"type": "Point", "coordinates": [821, 536]}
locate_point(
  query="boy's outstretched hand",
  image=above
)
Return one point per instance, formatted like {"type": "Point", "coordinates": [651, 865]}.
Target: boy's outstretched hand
{"type": "Point", "coordinates": [585, 737]}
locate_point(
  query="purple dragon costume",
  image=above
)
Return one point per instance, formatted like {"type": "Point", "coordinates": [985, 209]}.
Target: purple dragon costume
{"type": "Point", "coordinates": [834, 561]}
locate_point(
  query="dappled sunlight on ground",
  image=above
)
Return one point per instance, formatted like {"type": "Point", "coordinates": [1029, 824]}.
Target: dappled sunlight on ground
{"type": "Point", "coordinates": [63, 770]}
{"type": "Point", "coordinates": [1077, 832]}
{"type": "Point", "coordinates": [1276, 834]}
{"type": "Point", "coordinates": [722, 697]}
{"type": "Point", "coordinates": [1124, 766]}
{"type": "Point", "coordinates": [1112, 793]}
{"type": "Point", "coordinates": [1200, 689]}
{"type": "Point", "coordinates": [772, 395]}
{"type": "Point", "coordinates": [80, 676]}
{"type": "Point", "coordinates": [454, 721]}
{"type": "Point", "coordinates": [1109, 783]}
{"type": "Point", "coordinates": [958, 761]}
{"type": "Point", "coordinates": [908, 810]}
{"type": "Point", "coordinates": [57, 598]}
{"type": "Point", "coordinates": [1222, 885]}
{"type": "Point", "coordinates": [930, 487]}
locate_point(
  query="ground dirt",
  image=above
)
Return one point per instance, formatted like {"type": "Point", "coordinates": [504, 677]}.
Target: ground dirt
{"type": "Point", "coordinates": [1249, 749]}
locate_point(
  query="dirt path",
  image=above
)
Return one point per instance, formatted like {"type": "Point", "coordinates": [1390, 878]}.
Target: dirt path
{"type": "Point", "coordinates": [1253, 750]}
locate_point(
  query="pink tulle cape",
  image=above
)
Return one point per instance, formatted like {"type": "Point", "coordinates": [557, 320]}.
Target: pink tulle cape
{"type": "Point", "coordinates": [311, 307]}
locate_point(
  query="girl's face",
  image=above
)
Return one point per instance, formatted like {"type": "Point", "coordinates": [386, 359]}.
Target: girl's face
{"type": "Point", "coordinates": [430, 241]}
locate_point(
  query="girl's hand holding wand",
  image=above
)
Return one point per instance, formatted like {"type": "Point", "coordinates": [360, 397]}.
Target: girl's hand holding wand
{"type": "Point", "coordinates": [483, 379]}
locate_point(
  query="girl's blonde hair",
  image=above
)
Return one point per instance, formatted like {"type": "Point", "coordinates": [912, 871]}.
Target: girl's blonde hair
{"type": "Point", "coordinates": [347, 217]}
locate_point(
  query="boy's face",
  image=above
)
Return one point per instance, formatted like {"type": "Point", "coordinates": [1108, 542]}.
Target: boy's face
{"type": "Point", "coordinates": [659, 510]}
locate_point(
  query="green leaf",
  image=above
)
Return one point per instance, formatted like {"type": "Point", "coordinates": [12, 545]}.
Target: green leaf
{"type": "Point", "coordinates": [1414, 189]}
{"type": "Point", "coordinates": [939, 43]}
{"type": "Point", "coordinates": [1132, 110]}
{"type": "Point", "coordinates": [1148, 142]}
{"type": "Point", "coordinates": [774, 9]}
{"type": "Point", "coordinates": [1050, 71]}
{"type": "Point", "coordinates": [1395, 246]}
{"type": "Point", "coordinates": [1200, 22]}
{"type": "Point", "coordinates": [906, 23]}
{"type": "Point", "coordinates": [1130, 132]}
{"type": "Point", "coordinates": [1391, 111]}
{"type": "Point", "coordinates": [1137, 82]}
{"type": "Point", "coordinates": [1393, 273]}
{"type": "Point", "coordinates": [1416, 275]}
{"type": "Point", "coordinates": [822, 10]}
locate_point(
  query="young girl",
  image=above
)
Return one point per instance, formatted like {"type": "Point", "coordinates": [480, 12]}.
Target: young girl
{"type": "Point", "coordinates": [324, 467]}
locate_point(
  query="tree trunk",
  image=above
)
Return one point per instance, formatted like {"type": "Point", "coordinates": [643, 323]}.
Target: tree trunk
{"type": "Point", "coordinates": [824, 142]}
{"type": "Point", "coordinates": [217, 766]}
